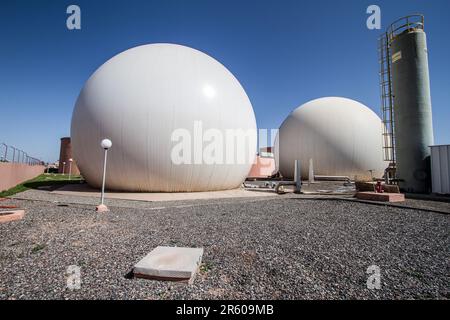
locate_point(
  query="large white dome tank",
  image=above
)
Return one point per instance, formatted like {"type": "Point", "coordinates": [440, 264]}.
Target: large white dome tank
{"type": "Point", "coordinates": [342, 137]}
{"type": "Point", "coordinates": [144, 100]}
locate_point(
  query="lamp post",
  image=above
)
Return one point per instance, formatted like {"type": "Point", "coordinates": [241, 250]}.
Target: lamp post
{"type": "Point", "coordinates": [70, 168]}
{"type": "Point", "coordinates": [105, 144]}
{"type": "Point", "coordinates": [64, 167]}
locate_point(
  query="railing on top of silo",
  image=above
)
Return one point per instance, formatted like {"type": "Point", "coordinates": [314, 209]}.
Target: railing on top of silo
{"type": "Point", "coordinates": [411, 22]}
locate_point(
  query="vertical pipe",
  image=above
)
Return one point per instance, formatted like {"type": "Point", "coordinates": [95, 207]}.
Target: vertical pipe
{"type": "Point", "coordinates": [298, 177]}
{"type": "Point", "coordinates": [311, 171]}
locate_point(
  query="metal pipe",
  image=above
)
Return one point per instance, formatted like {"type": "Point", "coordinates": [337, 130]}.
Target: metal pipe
{"type": "Point", "coordinates": [298, 177]}
{"type": "Point", "coordinates": [283, 183]}
{"type": "Point", "coordinates": [297, 183]}
{"type": "Point", "coordinates": [332, 178]}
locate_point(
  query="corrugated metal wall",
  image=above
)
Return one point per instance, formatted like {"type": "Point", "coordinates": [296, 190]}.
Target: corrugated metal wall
{"type": "Point", "coordinates": [440, 169]}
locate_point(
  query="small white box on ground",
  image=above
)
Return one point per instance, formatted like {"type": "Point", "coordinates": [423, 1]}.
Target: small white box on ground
{"type": "Point", "coordinates": [170, 263]}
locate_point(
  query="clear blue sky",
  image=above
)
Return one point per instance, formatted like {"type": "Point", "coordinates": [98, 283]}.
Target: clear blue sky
{"type": "Point", "coordinates": [284, 53]}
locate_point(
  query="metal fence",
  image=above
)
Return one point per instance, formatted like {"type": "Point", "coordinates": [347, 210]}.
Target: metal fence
{"type": "Point", "coordinates": [12, 154]}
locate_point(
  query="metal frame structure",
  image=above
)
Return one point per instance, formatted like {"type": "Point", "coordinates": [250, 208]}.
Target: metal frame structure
{"type": "Point", "coordinates": [387, 100]}
{"type": "Point", "coordinates": [22, 156]}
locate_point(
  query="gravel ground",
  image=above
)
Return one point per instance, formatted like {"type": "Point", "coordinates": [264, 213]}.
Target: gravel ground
{"type": "Point", "coordinates": [41, 195]}
{"type": "Point", "coordinates": [281, 248]}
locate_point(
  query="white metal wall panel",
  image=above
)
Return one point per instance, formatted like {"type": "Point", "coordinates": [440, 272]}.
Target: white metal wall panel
{"type": "Point", "coordinates": [440, 169]}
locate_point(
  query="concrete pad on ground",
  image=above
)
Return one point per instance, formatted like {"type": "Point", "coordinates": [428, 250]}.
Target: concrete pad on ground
{"type": "Point", "coordinates": [13, 215]}
{"type": "Point", "coordinates": [85, 190]}
{"type": "Point", "coordinates": [384, 197]}
{"type": "Point", "coordinates": [170, 263]}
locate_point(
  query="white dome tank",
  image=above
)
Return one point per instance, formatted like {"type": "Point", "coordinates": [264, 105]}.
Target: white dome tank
{"type": "Point", "coordinates": [139, 99]}
{"type": "Point", "coordinates": [342, 136]}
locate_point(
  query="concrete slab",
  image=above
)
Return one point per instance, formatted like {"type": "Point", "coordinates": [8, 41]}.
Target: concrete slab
{"type": "Point", "coordinates": [84, 190]}
{"type": "Point", "coordinates": [170, 264]}
{"type": "Point", "coordinates": [7, 216]}
{"type": "Point", "coordinates": [363, 186]}
{"type": "Point", "coordinates": [384, 197]}
{"type": "Point", "coordinates": [101, 208]}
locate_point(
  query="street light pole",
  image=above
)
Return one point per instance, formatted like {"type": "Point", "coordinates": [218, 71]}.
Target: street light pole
{"type": "Point", "coordinates": [64, 168]}
{"type": "Point", "coordinates": [70, 168]}
{"type": "Point", "coordinates": [104, 176]}
{"type": "Point", "coordinates": [105, 144]}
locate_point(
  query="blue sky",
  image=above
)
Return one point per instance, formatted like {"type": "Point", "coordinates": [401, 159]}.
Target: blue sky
{"type": "Point", "coordinates": [284, 53]}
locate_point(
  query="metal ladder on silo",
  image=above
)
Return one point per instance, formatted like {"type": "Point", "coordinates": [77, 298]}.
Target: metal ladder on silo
{"type": "Point", "coordinates": [387, 106]}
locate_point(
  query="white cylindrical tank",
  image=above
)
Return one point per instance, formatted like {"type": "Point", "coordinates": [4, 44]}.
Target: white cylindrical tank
{"type": "Point", "coordinates": [155, 103]}
{"type": "Point", "coordinates": [340, 135]}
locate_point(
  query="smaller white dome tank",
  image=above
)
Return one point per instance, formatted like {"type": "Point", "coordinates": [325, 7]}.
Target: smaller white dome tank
{"type": "Point", "coordinates": [342, 137]}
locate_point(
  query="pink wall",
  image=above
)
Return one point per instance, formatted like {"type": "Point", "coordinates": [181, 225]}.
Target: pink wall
{"type": "Point", "coordinates": [262, 168]}
{"type": "Point", "coordinates": [11, 174]}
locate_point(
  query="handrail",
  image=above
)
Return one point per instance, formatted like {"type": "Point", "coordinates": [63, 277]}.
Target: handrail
{"type": "Point", "coordinates": [414, 21]}
{"type": "Point", "coordinates": [22, 156]}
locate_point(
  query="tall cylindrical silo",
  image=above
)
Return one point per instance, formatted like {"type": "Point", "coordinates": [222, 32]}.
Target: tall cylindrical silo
{"type": "Point", "coordinates": [412, 104]}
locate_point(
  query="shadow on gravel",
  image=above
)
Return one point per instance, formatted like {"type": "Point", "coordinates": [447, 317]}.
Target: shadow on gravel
{"type": "Point", "coordinates": [129, 275]}
{"type": "Point", "coordinates": [50, 185]}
